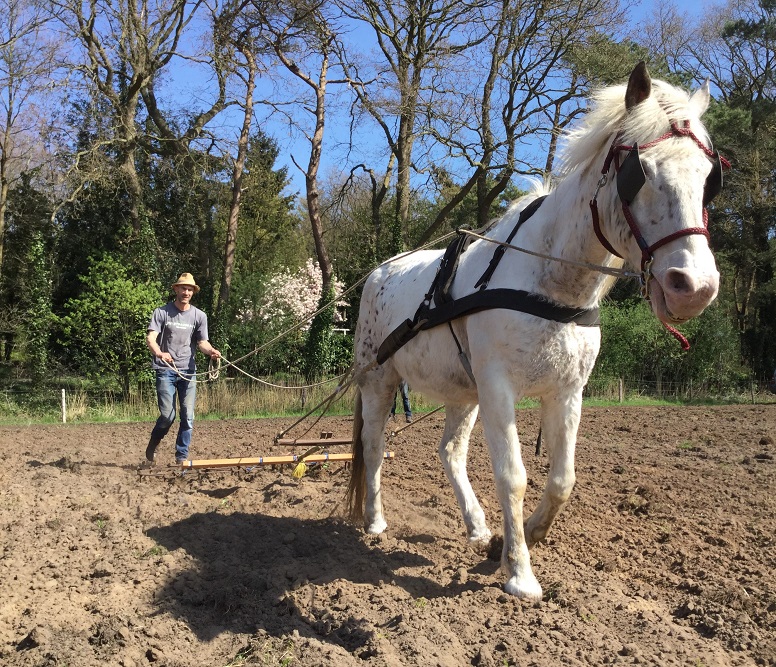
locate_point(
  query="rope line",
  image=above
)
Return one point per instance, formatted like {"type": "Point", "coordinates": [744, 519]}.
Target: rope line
{"type": "Point", "coordinates": [213, 374]}
{"type": "Point", "coordinates": [354, 286]}
{"type": "Point", "coordinates": [607, 270]}
{"type": "Point", "coordinates": [350, 377]}
{"type": "Point", "coordinates": [281, 386]}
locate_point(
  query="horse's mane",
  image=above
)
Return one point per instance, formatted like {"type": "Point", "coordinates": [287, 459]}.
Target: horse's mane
{"type": "Point", "coordinates": [607, 116]}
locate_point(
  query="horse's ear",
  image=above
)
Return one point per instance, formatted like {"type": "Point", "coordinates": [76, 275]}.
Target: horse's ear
{"type": "Point", "coordinates": [699, 100]}
{"type": "Point", "coordinates": [639, 86]}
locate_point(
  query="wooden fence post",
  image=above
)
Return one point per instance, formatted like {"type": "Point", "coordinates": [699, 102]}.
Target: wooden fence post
{"type": "Point", "coordinates": [64, 408]}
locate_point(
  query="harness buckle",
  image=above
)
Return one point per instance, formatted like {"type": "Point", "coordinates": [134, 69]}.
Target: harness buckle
{"type": "Point", "coordinates": [601, 182]}
{"type": "Point", "coordinates": [644, 277]}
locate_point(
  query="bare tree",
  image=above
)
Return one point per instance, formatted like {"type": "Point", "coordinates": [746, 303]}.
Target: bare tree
{"type": "Point", "coordinates": [473, 83]}
{"type": "Point", "coordinates": [126, 45]}
{"type": "Point", "coordinates": [417, 39]}
{"type": "Point", "coordinates": [235, 34]}
{"type": "Point", "coordinates": [27, 60]}
{"type": "Point", "coordinates": [303, 36]}
{"type": "Point", "coordinates": [528, 93]}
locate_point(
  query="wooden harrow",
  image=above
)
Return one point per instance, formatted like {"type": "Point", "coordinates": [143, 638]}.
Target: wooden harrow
{"type": "Point", "coordinates": [312, 455]}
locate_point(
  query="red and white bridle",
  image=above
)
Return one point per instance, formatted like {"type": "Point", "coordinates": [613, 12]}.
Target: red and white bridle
{"type": "Point", "coordinates": [630, 179]}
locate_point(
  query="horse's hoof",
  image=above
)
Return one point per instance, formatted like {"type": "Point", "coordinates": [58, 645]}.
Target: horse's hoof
{"type": "Point", "coordinates": [479, 540]}
{"type": "Point", "coordinates": [534, 535]}
{"type": "Point", "coordinates": [531, 541]}
{"type": "Point", "coordinates": [526, 589]}
{"type": "Point", "coordinates": [376, 527]}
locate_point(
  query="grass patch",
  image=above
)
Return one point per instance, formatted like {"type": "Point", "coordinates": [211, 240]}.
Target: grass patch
{"type": "Point", "coordinates": [238, 399]}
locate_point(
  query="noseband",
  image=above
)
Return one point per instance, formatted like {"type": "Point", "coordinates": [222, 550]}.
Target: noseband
{"type": "Point", "coordinates": [630, 179]}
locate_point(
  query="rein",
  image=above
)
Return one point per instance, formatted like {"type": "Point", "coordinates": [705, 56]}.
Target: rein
{"type": "Point", "coordinates": [606, 270]}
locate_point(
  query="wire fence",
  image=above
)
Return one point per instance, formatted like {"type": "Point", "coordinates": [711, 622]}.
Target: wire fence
{"type": "Point", "coordinates": [237, 397]}
{"type": "Point", "coordinates": [748, 390]}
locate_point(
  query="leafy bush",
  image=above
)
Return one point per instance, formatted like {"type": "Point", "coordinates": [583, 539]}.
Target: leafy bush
{"type": "Point", "coordinates": [634, 345]}
{"type": "Point", "coordinates": [104, 329]}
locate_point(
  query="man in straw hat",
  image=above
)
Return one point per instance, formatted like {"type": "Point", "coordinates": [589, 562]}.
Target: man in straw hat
{"type": "Point", "coordinates": [174, 330]}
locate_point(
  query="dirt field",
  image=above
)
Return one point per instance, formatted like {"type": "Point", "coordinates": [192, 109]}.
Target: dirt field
{"type": "Point", "coordinates": [665, 554]}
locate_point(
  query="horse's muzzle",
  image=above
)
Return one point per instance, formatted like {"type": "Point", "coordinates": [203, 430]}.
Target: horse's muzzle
{"type": "Point", "coordinates": [680, 294]}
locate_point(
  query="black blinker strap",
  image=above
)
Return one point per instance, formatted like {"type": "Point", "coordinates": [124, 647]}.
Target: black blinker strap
{"type": "Point", "coordinates": [630, 176]}
{"type": "Point", "coordinates": [713, 184]}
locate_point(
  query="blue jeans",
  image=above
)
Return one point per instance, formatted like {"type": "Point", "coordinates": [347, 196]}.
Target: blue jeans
{"type": "Point", "coordinates": [405, 399]}
{"type": "Point", "coordinates": [168, 384]}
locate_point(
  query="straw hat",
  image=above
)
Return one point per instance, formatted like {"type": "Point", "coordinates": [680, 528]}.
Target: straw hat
{"type": "Point", "coordinates": [186, 279]}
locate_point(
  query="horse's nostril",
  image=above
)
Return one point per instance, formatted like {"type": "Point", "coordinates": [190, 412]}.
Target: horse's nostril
{"type": "Point", "coordinates": [679, 282]}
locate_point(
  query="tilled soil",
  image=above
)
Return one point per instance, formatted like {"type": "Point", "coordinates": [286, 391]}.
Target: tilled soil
{"type": "Point", "coordinates": [665, 554]}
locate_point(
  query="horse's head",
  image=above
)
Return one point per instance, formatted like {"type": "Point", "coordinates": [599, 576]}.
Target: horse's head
{"type": "Point", "coordinates": [665, 175]}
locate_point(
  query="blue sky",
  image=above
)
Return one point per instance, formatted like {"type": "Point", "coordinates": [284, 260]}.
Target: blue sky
{"type": "Point", "coordinates": [188, 85]}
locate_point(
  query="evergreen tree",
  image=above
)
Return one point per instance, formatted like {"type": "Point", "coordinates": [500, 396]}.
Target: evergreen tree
{"type": "Point", "coordinates": [26, 289]}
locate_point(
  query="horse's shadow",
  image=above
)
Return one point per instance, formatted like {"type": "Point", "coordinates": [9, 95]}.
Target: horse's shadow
{"type": "Point", "coordinates": [245, 566]}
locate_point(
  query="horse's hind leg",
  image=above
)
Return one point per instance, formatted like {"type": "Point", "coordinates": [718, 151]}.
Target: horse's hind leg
{"type": "Point", "coordinates": [453, 448]}
{"type": "Point", "coordinates": [376, 405]}
{"type": "Point", "coordinates": [560, 420]}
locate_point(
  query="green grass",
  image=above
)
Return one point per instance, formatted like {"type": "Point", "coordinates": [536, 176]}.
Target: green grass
{"type": "Point", "coordinates": [250, 400]}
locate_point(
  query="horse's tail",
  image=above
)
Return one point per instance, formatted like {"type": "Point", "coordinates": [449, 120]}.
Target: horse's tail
{"type": "Point", "coordinates": [357, 484]}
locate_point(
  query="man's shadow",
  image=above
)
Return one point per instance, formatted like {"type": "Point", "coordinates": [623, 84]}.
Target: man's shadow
{"type": "Point", "coordinates": [245, 565]}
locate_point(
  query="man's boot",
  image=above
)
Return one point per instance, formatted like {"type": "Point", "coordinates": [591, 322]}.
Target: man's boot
{"type": "Point", "coordinates": [153, 443]}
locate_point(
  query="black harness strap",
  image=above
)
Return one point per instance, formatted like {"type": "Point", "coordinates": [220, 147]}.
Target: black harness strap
{"type": "Point", "coordinates": [508, 299]}
{"type": "Point", "coordinates": [526, 213]}
{"type": "Point", "coordinates": [446, 309]}
{"type": "Point", "coordinates": [443, 280]}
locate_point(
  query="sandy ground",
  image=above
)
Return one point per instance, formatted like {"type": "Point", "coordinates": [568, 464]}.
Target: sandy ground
{"type": "Point", "coordinates": [665, 554]}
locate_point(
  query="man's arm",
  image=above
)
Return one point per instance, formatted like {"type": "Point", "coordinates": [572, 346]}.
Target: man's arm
{"type": "Point", "coordinates": [154, 347]}
{"type": "Point", "coordinates": [206, 348]}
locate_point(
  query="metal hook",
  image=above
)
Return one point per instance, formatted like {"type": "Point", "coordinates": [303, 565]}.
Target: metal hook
{"type": "Point", "coordinates": [601, 182]}
{"type": "Point", "coordinates": [645, 276]}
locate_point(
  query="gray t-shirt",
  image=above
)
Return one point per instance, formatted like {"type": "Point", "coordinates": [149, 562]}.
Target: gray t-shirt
{"type": "Point", "coordinates": [180, 331]}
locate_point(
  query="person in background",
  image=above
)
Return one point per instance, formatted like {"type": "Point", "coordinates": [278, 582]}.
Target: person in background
{"type": "Point", "coordinates": [176, 331]}
{"type": "Point", "coordinates": [405, 398]}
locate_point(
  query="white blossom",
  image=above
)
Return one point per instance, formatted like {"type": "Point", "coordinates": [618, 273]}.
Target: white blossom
{"type": "Point", "coordinates": [293, 296]}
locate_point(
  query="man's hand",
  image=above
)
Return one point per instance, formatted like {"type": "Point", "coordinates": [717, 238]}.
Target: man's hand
{"type": "Point", "coordinates": [165, 356]}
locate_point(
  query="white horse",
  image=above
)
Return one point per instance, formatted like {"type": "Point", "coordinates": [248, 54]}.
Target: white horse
{"type": "Point", "coordinates": [654, 218]}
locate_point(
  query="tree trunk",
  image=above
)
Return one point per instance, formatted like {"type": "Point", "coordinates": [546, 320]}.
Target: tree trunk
{"type": "Point", "coordinates": [230, 244]}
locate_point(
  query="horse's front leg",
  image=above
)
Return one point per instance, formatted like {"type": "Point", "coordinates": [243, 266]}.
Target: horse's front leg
{"type": "Point", "coordinates": [497, 411]}
{"type": "Point", "coordinates": [453, 449]}
{"type": "Point", "coordinates": [560, 420]}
